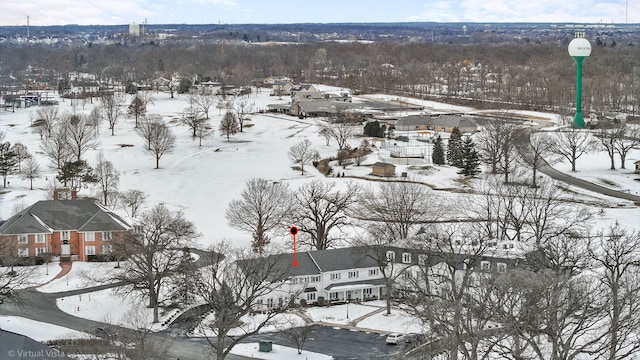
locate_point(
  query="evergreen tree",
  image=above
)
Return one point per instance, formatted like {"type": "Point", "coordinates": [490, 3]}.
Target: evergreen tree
{"type": "Point", "coordinates": [454, 146]}
{"type": "Point", "coordinates": [184, 285]}
{"type": "Point", "coordinates": [374, 129]}
{"type": "Point", "coordinates": [8, 161]}
{"type": "Point", "coordinates": [438, 152]}
{"type": "Point", "coordinates": [469, 158]}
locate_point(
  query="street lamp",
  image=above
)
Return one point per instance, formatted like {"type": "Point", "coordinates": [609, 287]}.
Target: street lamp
{"type": "Point", "coordinates": [579, 49]}
{"type": "Point", "coordinates": [347, 308]}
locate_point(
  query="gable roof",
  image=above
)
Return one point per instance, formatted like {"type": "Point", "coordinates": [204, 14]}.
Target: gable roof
{"type": "Point", "coordinates": [441, 120]}
{"type": "Point", "coordinates": [47, 216]}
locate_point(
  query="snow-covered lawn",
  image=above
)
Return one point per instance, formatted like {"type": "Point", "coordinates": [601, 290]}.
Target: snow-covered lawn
{"type": "Point", "coordinates": [37, 330]}
{"type": "Point", "coordinates": [277, 352]}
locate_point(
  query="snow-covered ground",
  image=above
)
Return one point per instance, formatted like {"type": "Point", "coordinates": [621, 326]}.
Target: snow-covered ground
{"type": "Point", "coordinates": [202, 180]}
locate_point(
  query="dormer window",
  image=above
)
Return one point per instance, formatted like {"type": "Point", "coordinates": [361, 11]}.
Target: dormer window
{"type": "Point", "coordinates": [391, 256]}
{"type": "Point", "coordinates": [406, 258]}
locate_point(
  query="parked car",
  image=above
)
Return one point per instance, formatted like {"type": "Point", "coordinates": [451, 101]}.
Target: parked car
{"type": "Point", "coordinates": [395, 338]}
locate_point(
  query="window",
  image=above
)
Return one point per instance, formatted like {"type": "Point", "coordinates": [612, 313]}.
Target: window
{"type": "Point", "coordinates": [311, 296]}
{"type": "Point", "coordinates": [106, 249]}
{"type": "Point", "coordinates": [502, 267]}
{"type": "Point", "coordinates": [23, 239]}
{"type": "Point", "coordinates": [333, 295]}
{"type": "Point", "coordinates": [40, 250]}
{"type": "Point", "coordinates": [270, 302]}
{"type": "Point", "coordinates": [314, 279]}
{"type": "Point", "coordinates": [408, 275]}
{"type": "Point", "coordinates": [485, 265]}
{"type": "Point", "coordinates": [90, 250]}
{"type": "Point", "coordinates": [406, 258]}
{"type": "Point", "coordinates": [23, 252]}
{"type": "Point", "coordinates": [391, 256]}
{"type": "Point", "coordinates": [467, 264]}
{"type": "Point", "coordinates": [40, 238]}
{"type": "Point", "coordinates": [353, 274]}
{"type": "Point", "coordinates": [106, 236]}
{"type": "Point", "coordinates": [64, 235]}
{"type": "Point", "coordinates": [90, 236]}
{"type": "Point", "coordinates": [335, 276]}
{"type": "Point", "coordinates": [367, 292]}
{"type": "Point", "coordinates": [373, 272]}
{"type": "Point", "coordinates": [422, 259]}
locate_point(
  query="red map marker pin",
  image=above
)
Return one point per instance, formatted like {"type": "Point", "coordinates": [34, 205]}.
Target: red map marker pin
{"type": "Point", "coordinates": [294, 231]}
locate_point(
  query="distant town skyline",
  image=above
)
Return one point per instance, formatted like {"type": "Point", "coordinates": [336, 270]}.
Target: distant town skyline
{"type": "Point", "coordinates": [115, 12]}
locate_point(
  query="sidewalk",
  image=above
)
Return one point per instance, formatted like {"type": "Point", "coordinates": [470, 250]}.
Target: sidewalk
{"type": "Point", "coordinates": [352, 325]}
{"type": "Point", "coordinates": [65, 269]}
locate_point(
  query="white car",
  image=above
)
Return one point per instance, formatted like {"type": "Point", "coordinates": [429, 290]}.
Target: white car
{"type": "Point", "coordinates": [395, 338]}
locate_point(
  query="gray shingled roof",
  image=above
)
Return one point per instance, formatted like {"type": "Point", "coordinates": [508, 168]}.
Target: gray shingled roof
{"type": "Point", "coordinates": [442, 120]}
{"type": "Point", "coordinates": [12, 345]}
{"type": "Point", "coordinates": [54, 215]}
{"type": "Point", "coordinates": [343, 259]}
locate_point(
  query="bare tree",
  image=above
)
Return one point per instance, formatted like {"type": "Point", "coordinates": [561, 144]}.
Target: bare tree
{"type": "Point", "coordinates": [263, 205]}
{"type": "Point", "coordinates": [302, 153]}
{"type": "Point", "coordinates": [342, 132]}
{"type": "Point", "coordinates": [319, 209]}
{"type": "Point", "coordinates": [57, 147]}
{"type": "Point", "coordinates": [228, 125]}
{"type": "Point", "coordinates": [203, 130]}
{"type": "Point", "coordinates": [22, 153]}
{"type": "Point", "coordinates": [111, 109]}
{"type": "Point", "coordinates": [30, 170]}
{"type": "Point", "coordinates": [325, 133]}
{"type": "Point", "coordinates": [191, 118]}
{"type": "Point", "coordinates": [148, 127]}
{"type": "Point", "coordinates": [132, 200]}
{"type": "Point", "coordinates": [46, 117]}
{"type": "Point", "coordinates": [535, 152]}
{"type": "Point", "coordinates": [629, 139]}
{"type": "Point", "coordinates": [81, 134]}
{"type": "Point", "coordinates": [572, 144]}
{"type": "Point", "coordinates": [397, 209]}
{"type": "Point", "coordinates": [95, 118]}
{"type": "Point", "coordinates": [297, 335]}
{"type": "Point", "coordinates": [203, 102]}
{"type": "Point", "coordinates": [242, 107]}
{"type": "Point", "coordinates": [232, 284]}
{"type": "Point", "coordinates": [108, 180]}
{"type": "Point", "coordinates": [496, 142]}
{"type": "Point", "coordinates": [617, 256]}
{"type": "Point", "coordinates": [152, 254]}
{"type": "Point", "coordinates": [160, 140]}
{"type": "Point", "coordinates": [608, 136]}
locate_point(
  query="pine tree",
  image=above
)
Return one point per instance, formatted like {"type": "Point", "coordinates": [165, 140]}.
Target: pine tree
{"type": "Point", "coordinates": [469, 158]}
{"type": "Point", "coordinates": [454, 146]}
{"type": "Point", "coordinates": [8, 161]}
{"type": "Point", "coordinates": [438, 152]}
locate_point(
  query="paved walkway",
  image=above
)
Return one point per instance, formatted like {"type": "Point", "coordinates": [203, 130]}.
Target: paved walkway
{"type": "Point", "coordinates": [66, 268]}
{"type": "Point", "coordinates": [352, 325]}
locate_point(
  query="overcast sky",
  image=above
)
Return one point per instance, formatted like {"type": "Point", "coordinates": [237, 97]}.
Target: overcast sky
{"type": "Point", "coordinates": [110, 12]}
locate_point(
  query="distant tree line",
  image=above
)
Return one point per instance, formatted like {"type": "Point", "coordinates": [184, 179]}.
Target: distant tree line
{"type": "Point", "coordinates": [525, 75]}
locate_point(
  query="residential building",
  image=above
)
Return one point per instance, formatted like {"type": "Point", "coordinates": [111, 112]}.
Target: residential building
{"type": "Point", "coordinates": [443, 123]}
{"type": "Point", "coordinates": [73, 229]}
{"type": "Point", "coordinates": [357, 273]}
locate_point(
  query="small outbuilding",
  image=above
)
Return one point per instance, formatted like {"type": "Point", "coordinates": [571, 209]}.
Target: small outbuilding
{"type": "Point", "coordinates": [637, 164]}
{"type": "Point", "coordinates": [383, 169]}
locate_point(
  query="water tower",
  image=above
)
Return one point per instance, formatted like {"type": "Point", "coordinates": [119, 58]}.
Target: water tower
{"type": "Point", "coordinates": [579, 49]}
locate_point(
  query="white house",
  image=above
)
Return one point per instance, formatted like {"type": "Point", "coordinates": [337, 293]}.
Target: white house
{"type": "Point", "coordinates": [355, 273]}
